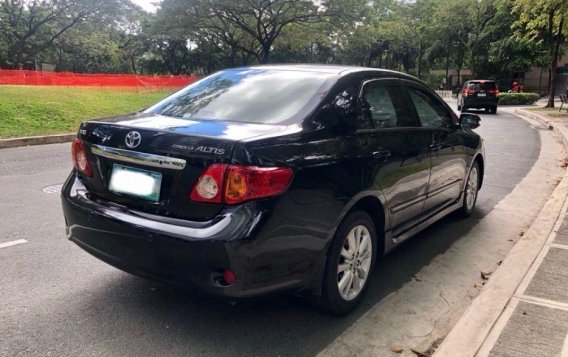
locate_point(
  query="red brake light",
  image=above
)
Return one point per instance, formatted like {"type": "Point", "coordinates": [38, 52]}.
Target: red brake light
{"type": "Point", "coordinates": [79, 157]}
{"type": "Point", "coordinates": [494, 91]}
{"type": "Point", "coordinates": [236, 183]}
{"type": "Point", "coordinates": [467, 92]}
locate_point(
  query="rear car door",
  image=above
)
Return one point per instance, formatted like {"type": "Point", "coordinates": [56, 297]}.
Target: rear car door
{"type": "Point", "coordinates": [448, 156]}
{"type": "Point", "coordinates": [399, 149]}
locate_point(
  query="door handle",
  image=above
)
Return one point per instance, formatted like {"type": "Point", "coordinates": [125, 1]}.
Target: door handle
{"type": "Point", "coordinates": [436, 147]}
{"type": "Point", "coordinates": [381, 154]}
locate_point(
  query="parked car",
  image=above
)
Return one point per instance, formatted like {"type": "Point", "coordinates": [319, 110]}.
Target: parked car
{"type": "Point", "coordinates": [479, 94]}
{"type": "Point", "coordinates": [268, 179]}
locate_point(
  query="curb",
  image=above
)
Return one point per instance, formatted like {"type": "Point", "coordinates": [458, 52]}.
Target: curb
{"type": "Point", "coordinates": [473, 328]}
{"type": "Point", "coordinates": [541, 119]}
{"type": "Point", "coordinates": [36, 140]}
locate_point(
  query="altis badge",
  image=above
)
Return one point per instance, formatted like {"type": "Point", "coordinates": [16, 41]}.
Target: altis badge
{"type": "Point", "coordinates": [202, 149]}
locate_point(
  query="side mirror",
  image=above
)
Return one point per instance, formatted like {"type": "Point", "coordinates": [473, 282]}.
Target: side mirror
{"type": "Point", "coordinates": [469, 120]}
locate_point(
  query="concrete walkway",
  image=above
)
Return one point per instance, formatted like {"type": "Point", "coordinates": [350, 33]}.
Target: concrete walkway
{"type": "Point", "coordinates": [523, 310]}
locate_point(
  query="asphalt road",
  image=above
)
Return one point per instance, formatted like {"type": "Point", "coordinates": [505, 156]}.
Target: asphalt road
{"type": "Point", "coordinates": [56, 299]}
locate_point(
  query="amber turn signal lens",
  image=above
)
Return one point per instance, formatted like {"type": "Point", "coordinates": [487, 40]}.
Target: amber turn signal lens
{"type": "Point", "coordinates": [236, 187]}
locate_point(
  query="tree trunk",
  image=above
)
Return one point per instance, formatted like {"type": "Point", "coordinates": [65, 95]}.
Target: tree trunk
{"type": "Point", "coordinates": [419, 69]}
{"type": "Point", "coordinates": [448, 85]}
{"type": "Point", "coordinates": [554, 65]}
{"type": "Point", "coordinates": [265, 54]}
{"type": "Point", "coordinates": [133, 64]}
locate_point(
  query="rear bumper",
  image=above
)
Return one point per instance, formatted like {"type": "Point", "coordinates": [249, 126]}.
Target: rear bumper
{"type": "Point", "coordinates": [189, 254]}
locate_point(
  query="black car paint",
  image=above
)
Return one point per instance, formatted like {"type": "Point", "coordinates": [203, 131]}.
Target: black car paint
{"type": "Point", "coordinates": [278, 243]}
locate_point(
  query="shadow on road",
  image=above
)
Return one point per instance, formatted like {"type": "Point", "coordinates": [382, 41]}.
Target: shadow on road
{"type": "Point", "coordinates": [165, 319]}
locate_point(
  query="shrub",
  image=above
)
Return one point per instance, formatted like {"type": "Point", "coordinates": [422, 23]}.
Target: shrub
{"type": "Point", "coordinates": [517, 98]}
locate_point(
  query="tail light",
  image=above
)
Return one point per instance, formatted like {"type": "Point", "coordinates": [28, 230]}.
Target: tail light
{"type": "Point", "coordinates": [467, 92]}
{"type": "Point", "coordinates": [209, 187]}
{"type": "Point", "coordinates": [79, 157]}
{"type": "Point", "coordinates": [234, 184]}
{"type": "Point", "coordinates": [494, 91]}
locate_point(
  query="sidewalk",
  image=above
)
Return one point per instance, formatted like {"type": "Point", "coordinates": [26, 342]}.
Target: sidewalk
{"type": "Point", "coordinates": [535, 322]}
{"type": "Point", "coordinates": [523, 310]}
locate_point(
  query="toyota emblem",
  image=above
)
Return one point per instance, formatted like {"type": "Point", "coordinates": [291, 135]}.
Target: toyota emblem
{"type": "Point", "coordinates": [133, 139]}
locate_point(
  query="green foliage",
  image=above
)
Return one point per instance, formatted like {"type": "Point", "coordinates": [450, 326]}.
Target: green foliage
{"type": "Point", "coordinates": [517, 98]}
{"type": "Point", "coordinates": [543, 22]}
{"type": "Point", "coordinates": [52, 110]}
{"type": "Point", "coordinates": [494, 38]}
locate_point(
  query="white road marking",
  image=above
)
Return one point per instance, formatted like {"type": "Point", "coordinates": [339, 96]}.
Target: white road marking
{"type": "Point", "coordinates": [564, 352]}
{"type": "Point", "coordinates": [14, 242]}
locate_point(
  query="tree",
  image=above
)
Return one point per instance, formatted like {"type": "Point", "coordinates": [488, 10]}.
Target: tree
{"type": "Point", "coordinates": [263, 20]}
{"type": "Point", "coordinates": [501, 54]}
{"type": "Point", "coordinates": [544, 21]}
{"type": "Point", "coordinates": [32, 26]}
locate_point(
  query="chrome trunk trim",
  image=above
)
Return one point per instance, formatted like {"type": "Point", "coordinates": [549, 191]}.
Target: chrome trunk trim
{"type": "Point", "coordinates": [139, 158]}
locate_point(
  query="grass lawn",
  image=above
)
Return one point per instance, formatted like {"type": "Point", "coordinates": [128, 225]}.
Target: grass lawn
{"type": "Point", "coordinates": [41, 110]}
{"type": "Point", "coordinates": [551, 112]}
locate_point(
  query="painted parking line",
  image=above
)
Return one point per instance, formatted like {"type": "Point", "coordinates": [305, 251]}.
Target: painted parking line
{"type": "Point", "coordinates": [14, 242]}
{"type": "Point", "coordinates": [564, 352]}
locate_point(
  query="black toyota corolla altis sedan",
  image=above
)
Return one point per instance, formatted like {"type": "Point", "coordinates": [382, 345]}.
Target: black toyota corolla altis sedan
{"type": "Point", "coordinates": [268, 179]}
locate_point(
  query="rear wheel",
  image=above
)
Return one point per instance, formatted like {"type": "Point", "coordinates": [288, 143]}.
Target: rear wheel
{"type": "Point", "coordinates": [470, 191]}
{"type": "Point", "coordinates": [350, 262]}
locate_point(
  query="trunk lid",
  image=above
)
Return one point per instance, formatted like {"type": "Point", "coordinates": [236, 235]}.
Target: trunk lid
{"type": "Point", "coordinates": [173, 151]}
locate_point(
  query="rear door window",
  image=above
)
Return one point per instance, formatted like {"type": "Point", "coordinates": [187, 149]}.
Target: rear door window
{"type": "Point", "coordinates": [386, 105]}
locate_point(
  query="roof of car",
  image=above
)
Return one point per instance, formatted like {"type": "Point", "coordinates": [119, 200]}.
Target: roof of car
{"type": "Point", "coordinates": [326, 68]}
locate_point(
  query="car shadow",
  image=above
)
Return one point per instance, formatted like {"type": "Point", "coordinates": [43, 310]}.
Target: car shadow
{"type": "Point", "coordinates": [159, 318]}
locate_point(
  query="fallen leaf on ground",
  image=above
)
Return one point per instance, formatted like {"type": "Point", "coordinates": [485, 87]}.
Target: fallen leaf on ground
{"type": "Point", "coordinates": [522, 233]}
{"type": "Point", "coordinates": [396, 349]}
{"type": "Point", "coordinates": [499, 262]}
{"type": "Point", "coordinates": [419, 353]}
{"type": "Point", "coordinates": [485, 274]}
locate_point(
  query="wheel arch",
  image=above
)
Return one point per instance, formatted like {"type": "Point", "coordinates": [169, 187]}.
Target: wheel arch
{"type": "Point", "coordinates": [372, 203]}
{"type": "Point", "coordinates": [481, 164]}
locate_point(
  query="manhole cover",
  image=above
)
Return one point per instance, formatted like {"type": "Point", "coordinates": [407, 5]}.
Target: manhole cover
{"type": "Point", "coordinates": [55, 189]}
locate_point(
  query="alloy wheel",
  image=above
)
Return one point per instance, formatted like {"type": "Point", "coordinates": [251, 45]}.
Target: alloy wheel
{"type": "Point", "coordinates": [471, 189]}
{"type": "Point", "coordinates": [354, 262]}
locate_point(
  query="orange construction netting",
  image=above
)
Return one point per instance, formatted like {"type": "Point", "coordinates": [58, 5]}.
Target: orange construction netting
{"type": "Point", "coordinates": [37, 78]}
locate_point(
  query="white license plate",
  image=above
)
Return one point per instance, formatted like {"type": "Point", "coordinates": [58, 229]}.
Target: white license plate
{"type": "Point", "coordinates": [136, 182]}
{"type": "Point", "coordinates": [481, 95]}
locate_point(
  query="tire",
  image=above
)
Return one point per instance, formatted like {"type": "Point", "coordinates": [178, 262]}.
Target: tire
{"type": "Point", "coordinates": [488, 109]}
{"type": "Point", "coordinates": [494, 110]}
{"type": "Point", "coordinates": [459, 107]}
{"type": "Point", "coordinates": [470, 191]}
{"type": "Point", "coordinates": [342, 301]}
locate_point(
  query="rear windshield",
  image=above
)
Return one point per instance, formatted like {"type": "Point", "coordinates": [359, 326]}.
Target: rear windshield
{"type": "Point", "coordinates": [248, 95]}
{"type": "Point", "coordinates": [481, 85]}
